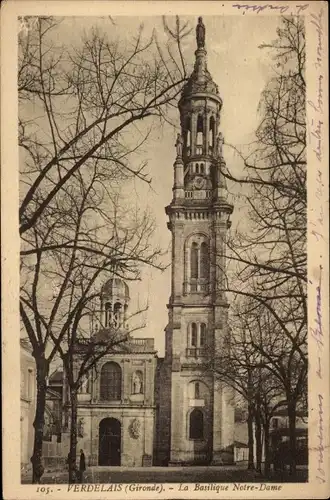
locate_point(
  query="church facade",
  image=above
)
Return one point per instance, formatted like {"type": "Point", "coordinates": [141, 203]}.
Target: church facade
{"type": "Point", "coordinates": [116, 403]}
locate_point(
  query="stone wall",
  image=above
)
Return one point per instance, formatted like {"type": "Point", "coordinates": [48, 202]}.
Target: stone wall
{"type": "Point", "coordinates": [28, 404]}
{"type": "Point", "coordinates": [163, 413]}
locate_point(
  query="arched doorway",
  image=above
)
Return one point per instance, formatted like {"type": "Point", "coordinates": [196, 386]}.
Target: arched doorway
{"type": "Point", "coordinates": [109, 441]}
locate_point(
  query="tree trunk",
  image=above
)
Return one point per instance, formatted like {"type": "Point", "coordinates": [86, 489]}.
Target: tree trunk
{"type": "Point", "coordinates": [72, 457]}
{"type": "Point", "coordinates": [267, 450]}
{"type": "Point", "coordinates": [39, 420]}
{"type": "Point", "coordinates": [258, 441]}
{"type": "Point", "coordinates": [250, 436]}
{"type": "Point", "coordinates": [292, 436]}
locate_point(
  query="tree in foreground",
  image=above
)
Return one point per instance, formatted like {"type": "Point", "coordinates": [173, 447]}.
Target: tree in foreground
{"type": "Point", "coordinates": [268, 259]}
{"type": "Point", "coordinates": [79, 113]}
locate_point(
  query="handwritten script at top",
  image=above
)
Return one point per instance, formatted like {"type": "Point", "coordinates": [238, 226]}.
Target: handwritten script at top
{"type": "Point", "coordinates": [282, 9]}
{"type": "Point", "coordinates": [315, 109]}
{"type": "Point", "coordinates": [316, 104]}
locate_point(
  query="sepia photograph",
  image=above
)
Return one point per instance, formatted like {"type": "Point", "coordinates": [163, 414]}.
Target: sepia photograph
{"type": "Point", "coordinates": [165, 331]}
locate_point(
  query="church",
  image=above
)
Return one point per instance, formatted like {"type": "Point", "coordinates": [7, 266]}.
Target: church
{"type": "Point", "coordinates": [137, 409]}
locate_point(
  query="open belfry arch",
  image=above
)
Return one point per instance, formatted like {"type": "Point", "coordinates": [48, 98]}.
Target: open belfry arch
{"type": "Point", "coordinates": [196, 411]}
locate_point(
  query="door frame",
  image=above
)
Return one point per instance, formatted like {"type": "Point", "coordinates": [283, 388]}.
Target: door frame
{"type": "Point", "coordinates": [118, 422]}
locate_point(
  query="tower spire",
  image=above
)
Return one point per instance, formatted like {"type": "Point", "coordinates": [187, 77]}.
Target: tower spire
{"type": "Point", "coordinates": [198, 318]}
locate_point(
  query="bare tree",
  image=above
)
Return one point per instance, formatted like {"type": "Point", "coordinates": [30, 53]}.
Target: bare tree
{"type": "Point", "coordinates": [80, 103]}
{"type": "Point", "coordinates": [283, 358]}
{"type": "Point", "coordinates": [84, 237]}
{"type": "Point", "coordinates": [79, 111]}
{"type": "Point", "coordinates": [82, 350]}
{"type": "Point", "coordinates": [241, 366]}
{"type": "Point", "coordinates": [268, 258]}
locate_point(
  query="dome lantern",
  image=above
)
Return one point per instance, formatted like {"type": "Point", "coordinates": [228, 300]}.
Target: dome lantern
{"type": "Point", "coordinates": [114, 303]}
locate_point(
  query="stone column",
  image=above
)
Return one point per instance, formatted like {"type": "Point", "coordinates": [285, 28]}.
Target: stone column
{"type": "Point", "coordinates": [198, 268]}
{"type": "Point", "coordinates": [219, 260]}
{"type": "Point", "coordinates": [94, 450]}
{"type": "Point", "coordinates": [206, 132]}
{"type": "Point", "coordinates": [148, 432]}
{"type": "Point", "coordinates": [186, 271]}
{"type": "Point", "coordinates": [177, 421]}
{"type": "Point", "coordinates": [177, 259]}
{"type": "Point", "coordinates": [178, 189]}
{"type": "Point", "coordinates": [194, 116]}
{"type": "Point", "coordinates": [126, 380]}
{"type": "Point", "coordinates": [217, 424]}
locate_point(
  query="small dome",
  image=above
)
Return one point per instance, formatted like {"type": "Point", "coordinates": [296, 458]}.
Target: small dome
{"type": "Point", "coordinates": [115, 287]}
{"type": "Point", "coordinates": [195, 85]}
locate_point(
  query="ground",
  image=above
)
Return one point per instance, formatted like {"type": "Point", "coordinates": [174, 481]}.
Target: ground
{"type": "Point", "coordinates": [226, 474]}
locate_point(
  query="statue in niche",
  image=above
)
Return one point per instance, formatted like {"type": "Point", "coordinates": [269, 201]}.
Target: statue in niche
{"type": "Point", "coordinates": [137, 384]}
{"type": "Point", "coordinates": [135, 428]}
{"type": "Point", "coordinates": [84, 384]}
{"type": "Point", "coordinates": [220, 142]}
{"type": "Point", "coordinates": [200, 33]}
{"type": "Point", "coordinates": [179, 145]}
{"type": "Point", "coordinates": [80, 427]}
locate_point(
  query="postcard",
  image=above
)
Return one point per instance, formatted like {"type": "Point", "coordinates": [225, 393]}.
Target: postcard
{"type": "Point", "coordinates": [165, 248]}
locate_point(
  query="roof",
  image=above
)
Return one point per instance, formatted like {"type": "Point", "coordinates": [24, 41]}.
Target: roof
{"type": "Point", "coordinates": [115, 287]}
{"type": "Point", "coordinates": [200, 80]}
{"type": "Point", "coordinates": [239, 444]}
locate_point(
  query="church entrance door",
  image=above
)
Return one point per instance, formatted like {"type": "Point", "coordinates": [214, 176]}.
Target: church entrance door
{"type": "Point", "coordinates": [109, 441]}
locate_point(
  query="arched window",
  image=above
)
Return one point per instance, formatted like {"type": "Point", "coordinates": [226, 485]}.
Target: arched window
{"type": "Point", "coordinates": [110, 384]}
{"type": "Point", "coordinates": [199, 138]}
{"type": "Point", "coordinates": [193, 335]}
{"type": "Point", "coordinates": [188, 138]}
{"type": "Point", "coordinates": [197, 263]}
{"type": "Point", "coordinates": [107, 314]}
{"type": "Point", "coordinates": [202, 168]}
{"type": "Point", "coordinates": [187, 135]}
{"type": "Point", "coordinates": [197, 168]}
{"type": "Point", "coordinates": [197, 390]}
{"type": "Point", "coordinates": [212, 132]}
{"type": "Point", "coordinates": [196, 424]}
{"type": "Point", "coordinates": [202, 338]}
{"type": "Point", "coordinates": [204, 260]}
{"type": "Point", "coordinates": [194, 261]}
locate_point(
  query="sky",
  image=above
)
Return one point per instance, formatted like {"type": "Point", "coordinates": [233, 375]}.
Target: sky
{"type": "Point", "coordinates": [241, 71]}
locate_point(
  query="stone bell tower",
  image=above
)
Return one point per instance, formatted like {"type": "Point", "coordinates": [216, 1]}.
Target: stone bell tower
{"type": "Point", "coordinates": [198, 421]}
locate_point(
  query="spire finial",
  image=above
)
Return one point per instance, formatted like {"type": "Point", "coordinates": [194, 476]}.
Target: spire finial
{"type": "Point", "coordinates": [200, 34]}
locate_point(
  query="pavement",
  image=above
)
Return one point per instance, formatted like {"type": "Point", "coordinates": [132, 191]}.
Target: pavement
{"type": "Point", "coordinates": [197, 474]}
